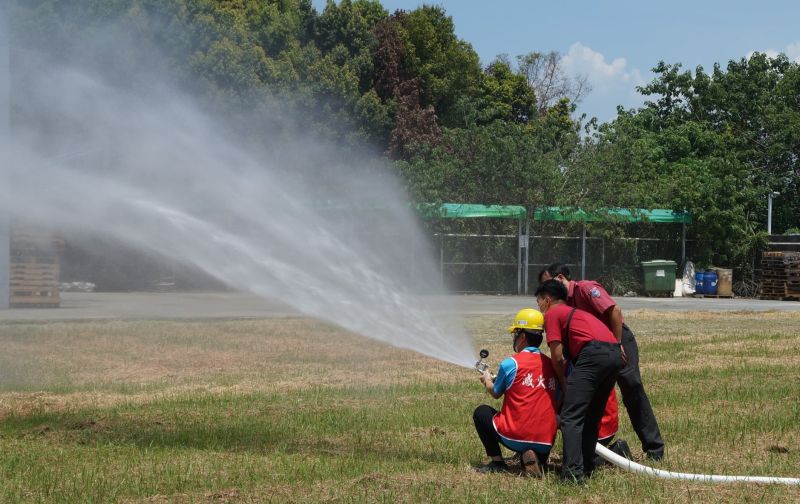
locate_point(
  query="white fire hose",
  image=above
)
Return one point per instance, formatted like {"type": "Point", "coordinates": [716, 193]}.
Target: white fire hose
{"type": "Point", "coordinates": [629, 465]}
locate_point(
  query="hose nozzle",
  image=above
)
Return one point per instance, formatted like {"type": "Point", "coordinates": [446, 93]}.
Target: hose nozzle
{"type": "Point", "coordinates": [481, 365]}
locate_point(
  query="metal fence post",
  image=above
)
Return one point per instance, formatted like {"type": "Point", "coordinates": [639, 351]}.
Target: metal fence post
{"type": "Point", "coordinates": [441, 254]}
{"type": "Point", "coordinates": [583, 253]}
{"type": "Point", "coordinates": [683, 242]}
{"type": "Point", "coordinates": [603, 256]}
{"type": "Point", "coordinates": [527, 249]}
{"type": "Point", "coordinates": [519, 256]}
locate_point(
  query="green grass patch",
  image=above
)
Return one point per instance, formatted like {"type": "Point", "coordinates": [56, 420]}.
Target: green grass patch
{"type": "Point", "coordinates": [260, 411]}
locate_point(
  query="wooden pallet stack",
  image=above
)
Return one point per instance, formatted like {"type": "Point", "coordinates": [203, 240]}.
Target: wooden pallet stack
{"type": "Point", "coordinates": [34, 268]}
{"type": "Point", "coordinates": [780, 275]}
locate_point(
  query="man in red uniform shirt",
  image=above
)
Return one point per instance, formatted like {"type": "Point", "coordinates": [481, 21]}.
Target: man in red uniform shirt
{"type": "Point", "coordinates": [577, 336]}
{"type": "Point", "coordinates": [526, 423]}
{"type": "Point", "coordinates": [590, 296]}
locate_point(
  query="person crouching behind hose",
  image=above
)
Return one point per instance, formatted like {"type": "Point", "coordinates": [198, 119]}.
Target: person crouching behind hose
{"type": "Point", "coordinates": [577, 336]}
{"type": "Point", "coordinates": [526, 422]}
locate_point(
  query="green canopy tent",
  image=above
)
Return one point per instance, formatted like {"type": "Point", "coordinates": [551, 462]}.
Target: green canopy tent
{"type": "Point", "coordinates": [563, 214]}
{"type": "Point", "coordinates": [472, 211]}
{"type": "Point", "coordinates": [612, 215]}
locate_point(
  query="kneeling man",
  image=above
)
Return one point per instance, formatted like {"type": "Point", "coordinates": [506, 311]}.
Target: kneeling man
{"type": "Point", "coordinates": [526, 423]}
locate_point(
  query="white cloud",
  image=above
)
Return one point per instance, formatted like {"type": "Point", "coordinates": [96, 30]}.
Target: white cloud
{"type": "Point", "coordinates": [792, 51]}
{"type": "Point", "coordinates": [584, 60]}
{"type": "Point", "coordinates": [613, 82]}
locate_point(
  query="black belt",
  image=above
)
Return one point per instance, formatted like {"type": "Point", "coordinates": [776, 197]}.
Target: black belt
{"type": "Point", "coordinates": [604, 343]}
{"type": "Point", "coordinates": [597, 343]}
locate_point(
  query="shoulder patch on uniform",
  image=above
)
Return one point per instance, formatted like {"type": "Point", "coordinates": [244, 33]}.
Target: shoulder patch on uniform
{"type": "Point", "coordinates": [595, 292]}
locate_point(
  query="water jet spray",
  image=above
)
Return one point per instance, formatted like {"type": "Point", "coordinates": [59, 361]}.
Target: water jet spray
{"type": "Point", "coordinates": [285, 216]}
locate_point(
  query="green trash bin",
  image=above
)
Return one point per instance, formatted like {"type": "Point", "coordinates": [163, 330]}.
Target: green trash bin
{"type": "Point", "coordinates": [659, 277]}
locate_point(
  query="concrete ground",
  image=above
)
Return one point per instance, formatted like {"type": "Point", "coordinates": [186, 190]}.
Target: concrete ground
{"type": "Point", "coordinates": [148, 305]}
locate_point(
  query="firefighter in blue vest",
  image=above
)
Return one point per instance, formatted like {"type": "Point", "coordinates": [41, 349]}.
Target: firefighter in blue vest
{"type": "Point", "coordinates": [526, 422]}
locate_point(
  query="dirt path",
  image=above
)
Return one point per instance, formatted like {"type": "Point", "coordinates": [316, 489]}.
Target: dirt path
{"type": "Point", "coordinates": [147, 305]}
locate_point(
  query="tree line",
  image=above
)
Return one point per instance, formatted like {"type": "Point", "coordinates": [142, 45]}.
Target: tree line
{"type": "Point", "coordinates": [714, 143]}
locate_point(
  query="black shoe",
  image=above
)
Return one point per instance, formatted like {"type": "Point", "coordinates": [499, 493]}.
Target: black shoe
{"type": "Point", "coordinates": [655, 456]}
{"type": "Point", "coordinates": [530, 464]}
{"type": "Point", "coordinates": [622, 449]}
{"type": "Point", "coordinates": [572, 479]}
{"type": "Point", "coordinates": [581, 481]}
{"type": "Point", "coordinates": [492, 467]}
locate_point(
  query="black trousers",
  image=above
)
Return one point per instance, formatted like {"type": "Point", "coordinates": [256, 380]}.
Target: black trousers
{"type": "Point", "coordinates": [588, 386]}
{"type": "Point", "coordinates": [491, 440]}
{"type": "Point", "coordinates": [635, 399]}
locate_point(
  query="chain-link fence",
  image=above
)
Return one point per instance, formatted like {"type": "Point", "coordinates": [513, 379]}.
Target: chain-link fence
{"type": "Point", "coordinates": [616, 262]}
{"type": "Point", "coordinates": [493, 256]}
{"type": "Point", "coordinates": [480, 256]}
{"type": "Point", "coordinates": [474, 255]}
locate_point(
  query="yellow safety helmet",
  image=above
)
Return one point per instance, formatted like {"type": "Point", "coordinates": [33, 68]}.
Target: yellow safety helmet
{"type": "Point", "coordinates": [528, 318]}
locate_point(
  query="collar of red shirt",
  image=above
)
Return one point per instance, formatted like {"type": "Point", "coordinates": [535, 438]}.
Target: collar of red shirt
{"type": "Point", "coordinates": [571, 290]}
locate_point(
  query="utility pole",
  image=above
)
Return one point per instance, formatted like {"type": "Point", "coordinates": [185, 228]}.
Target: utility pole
{"type": "Point", "coordinates": [5, 143]}
{"type": "Point", "coordinates": [769, 210]}
{"type": "Point", "coordinates": [583, 252]}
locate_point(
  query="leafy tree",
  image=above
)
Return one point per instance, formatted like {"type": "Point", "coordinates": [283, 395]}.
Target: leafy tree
{"type": "Point", "coordinates": [277, 25]}
{"type": "Point", "coordinates": [389, 58]}
{"type": "Point", "coordinates": [753, 107]}
{"type": "Point", "coordinates": [415, 124]}
{"type": "Point", "coordinates": [688, 149]}
{"type": "Point", "coordinates": [508, 97]}
{"type": "Point", "coordinates": [449, 67]}
{"type": "Point", "coordinates": [714, 143]}
{"type": "Point", "coordinates": [499, 163]}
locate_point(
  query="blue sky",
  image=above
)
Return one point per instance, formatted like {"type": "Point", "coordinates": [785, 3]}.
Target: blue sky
{"type": "Point", "coordinates": [616, 43]}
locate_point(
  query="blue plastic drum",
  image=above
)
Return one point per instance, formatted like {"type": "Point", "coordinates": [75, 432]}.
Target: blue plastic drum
{"type": "Point", "coordinates": [699, 281]}
{"type": "Point", "coordinates": [710, 282]}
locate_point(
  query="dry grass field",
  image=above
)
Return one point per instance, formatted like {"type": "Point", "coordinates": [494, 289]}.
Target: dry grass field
{"type": "Point", "coordinates": [291, 410]}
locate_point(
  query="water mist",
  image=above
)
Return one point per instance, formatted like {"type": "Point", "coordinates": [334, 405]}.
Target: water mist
{"type": "Point", "coordinates": [149, 167]}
